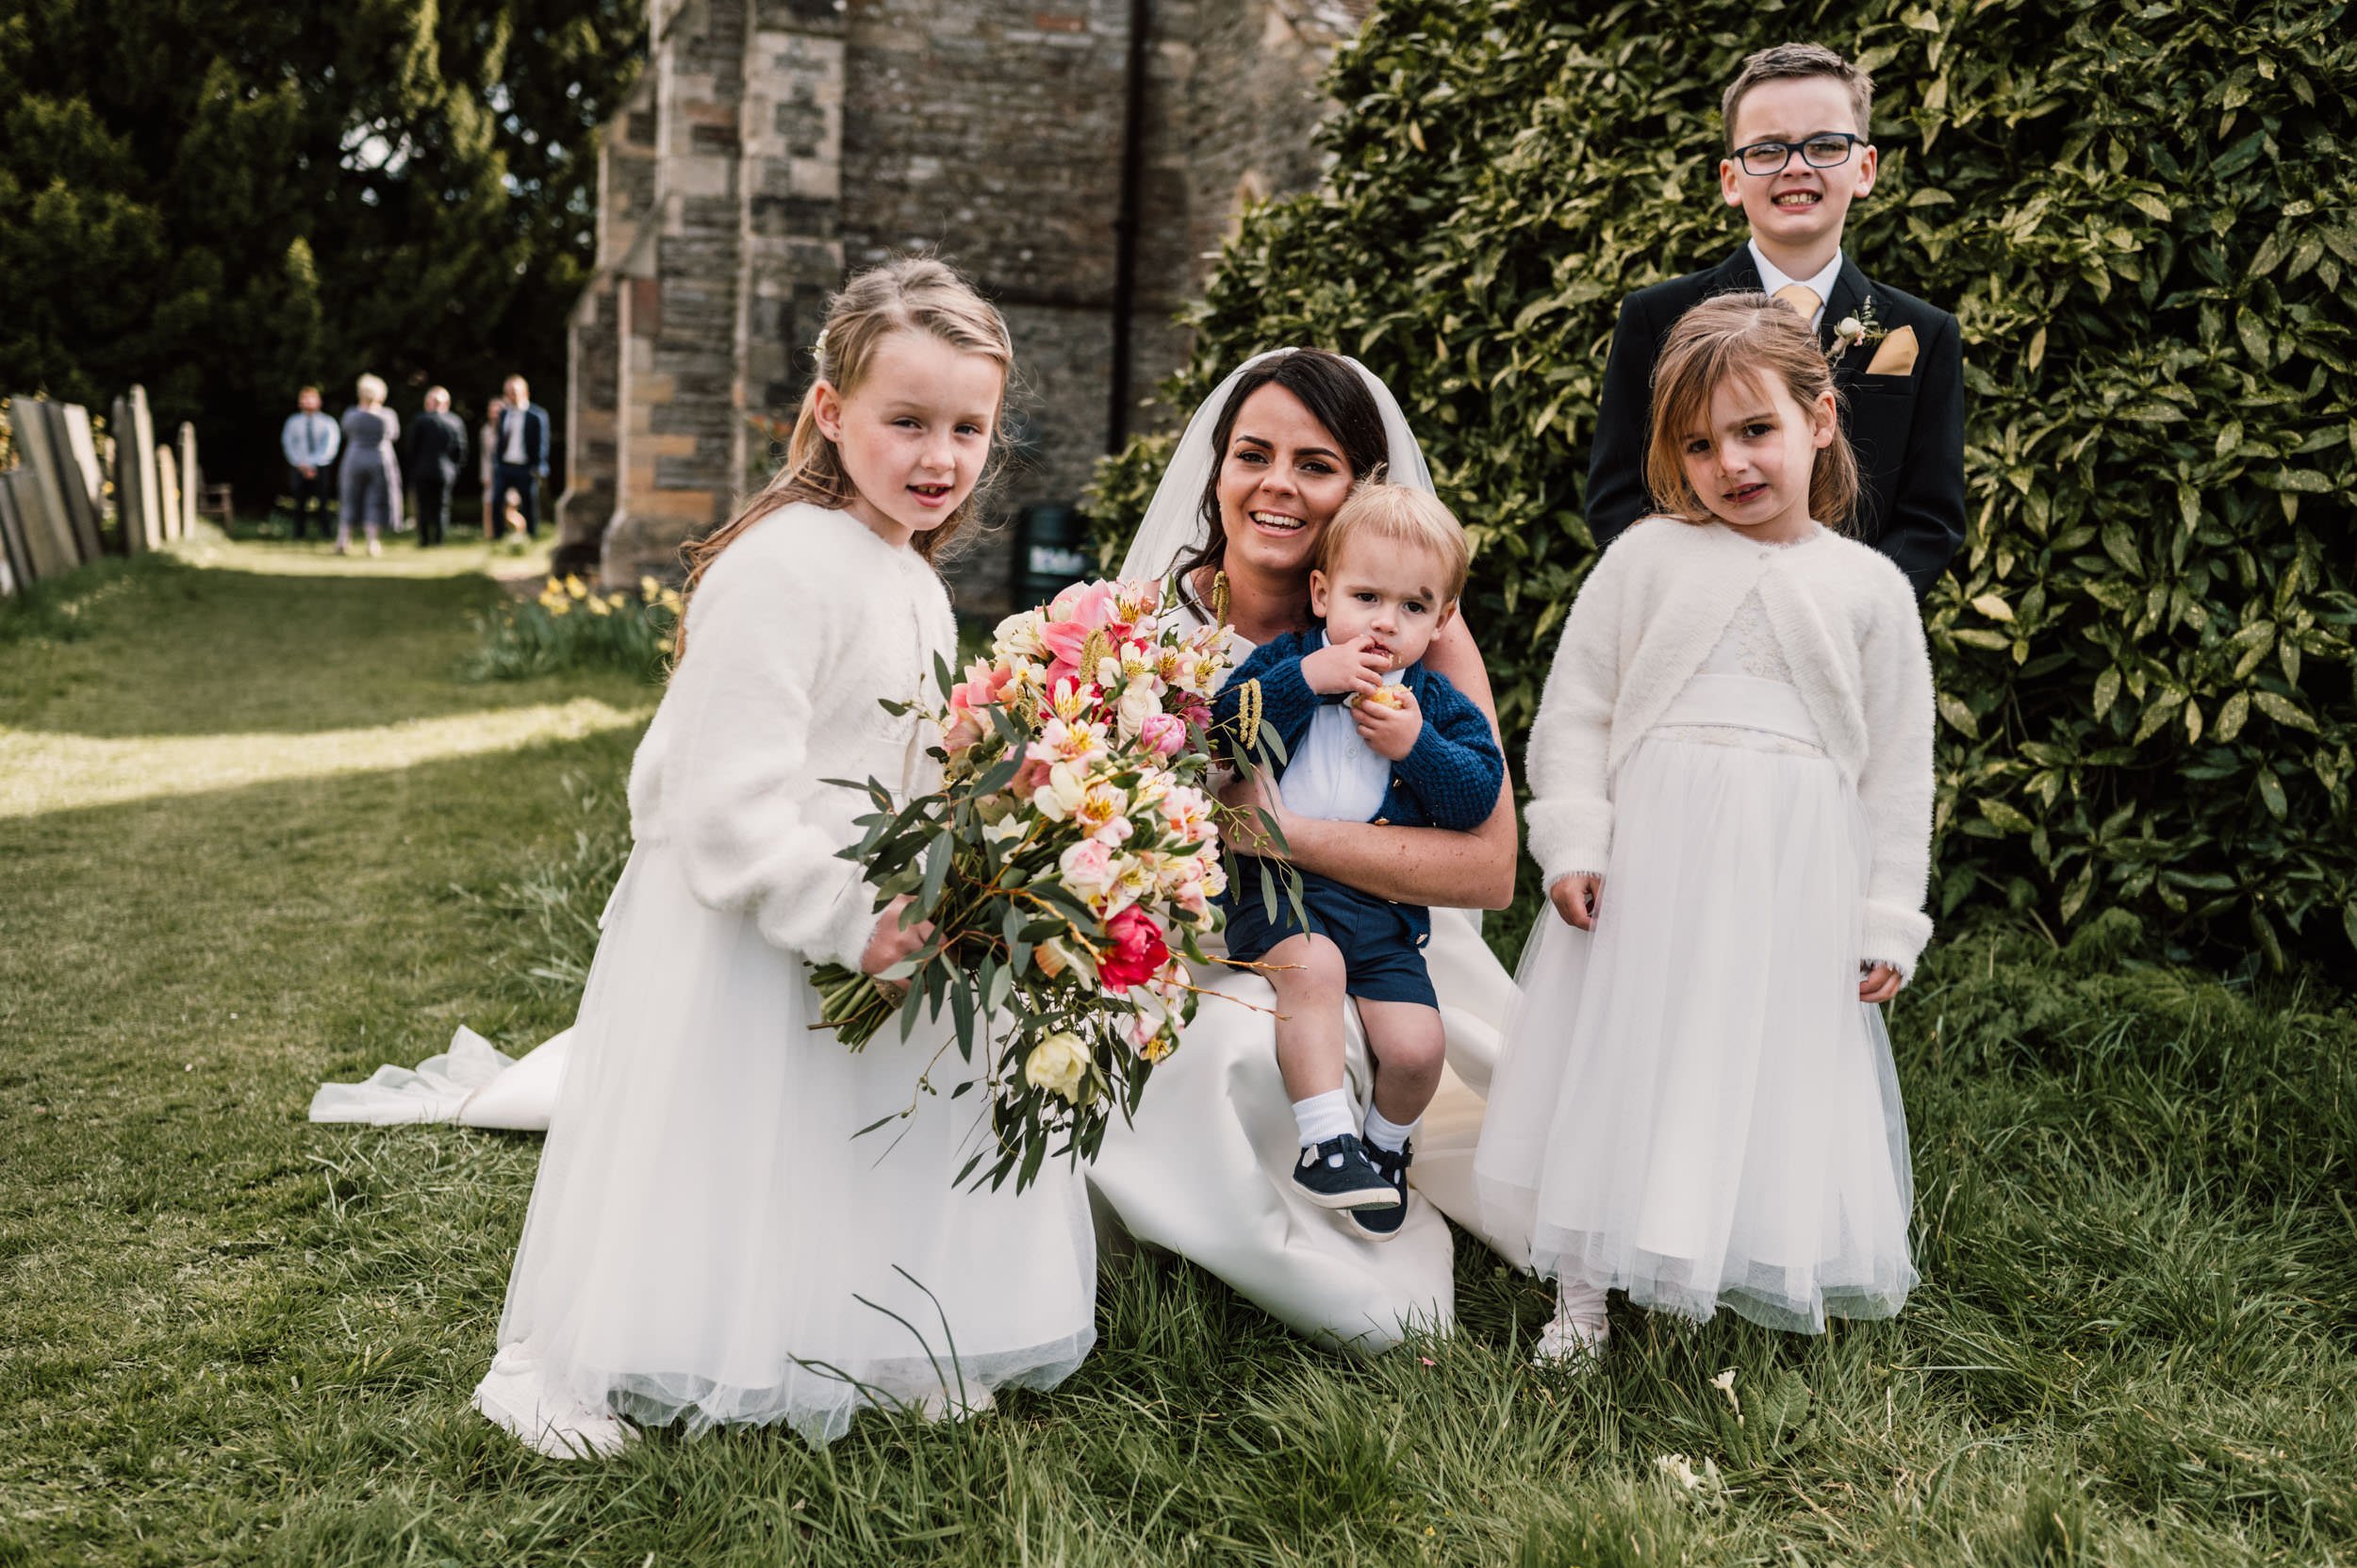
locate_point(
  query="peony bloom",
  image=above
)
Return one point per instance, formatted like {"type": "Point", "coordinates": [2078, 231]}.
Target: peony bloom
{"type": "Point", "coordinates": [1088, 870]}
{"type": "Point", "coordinates": [1139, 702]}
{"type": "Point", "coordinates": [1059, 1065]}
{"type": "Point", "coordinates": [1137, 952]}
{"type": "Point", "coordinates": [1165, 733]}
{"type": "Point", "coordinates": [1019, 635]}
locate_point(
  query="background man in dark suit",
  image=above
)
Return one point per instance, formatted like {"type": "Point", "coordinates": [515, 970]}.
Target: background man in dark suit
{"type": "Point", "coordinates": [1797, 156]}
{"type": "Point", "coordinates": [434, 447]}
{"type": "Point", "coordinates": [519, 457]}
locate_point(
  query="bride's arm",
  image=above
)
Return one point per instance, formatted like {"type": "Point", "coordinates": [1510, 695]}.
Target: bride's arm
{"type": "Point", "coordinates": [1422, 866]}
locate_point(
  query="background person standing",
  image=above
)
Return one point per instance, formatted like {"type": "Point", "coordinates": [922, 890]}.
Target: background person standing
{"type": "Point", "coordinates": [372, 472]}
{"type": "Point", "coordinates": [310, 439]}
{"type": "Point", "coordinates": [520, 458]}
{"type": "Point", "coordinates": [431, 453]}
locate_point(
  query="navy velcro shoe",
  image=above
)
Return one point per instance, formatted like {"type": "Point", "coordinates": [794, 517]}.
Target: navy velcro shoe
{"type": "Point", "coordinates": [1381, 1225]}
{"type": "Point", "coordinates": [1337, 1174]}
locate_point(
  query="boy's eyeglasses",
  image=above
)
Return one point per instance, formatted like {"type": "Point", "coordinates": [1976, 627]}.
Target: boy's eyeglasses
{"type": "Point", "coordinates": [1827, 151]}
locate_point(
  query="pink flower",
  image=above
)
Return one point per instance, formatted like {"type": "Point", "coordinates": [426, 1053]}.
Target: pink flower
{"type": "Point", "coordinates": [1087, 867]}
{"type": "Point", "coordinates": [1137, 952]}
{"type": "Point", "coordinates": [1166, 733]}
{"type": "Point", "coordinates": [1027, 777]}
{"type": "Point", "coordinates": [963, 731]}
{"type": "Point", "coordinates": [1080, 610]}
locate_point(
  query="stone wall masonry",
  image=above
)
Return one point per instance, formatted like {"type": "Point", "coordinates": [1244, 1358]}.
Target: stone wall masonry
{"type": "Point", "coordinates": [788, 140]}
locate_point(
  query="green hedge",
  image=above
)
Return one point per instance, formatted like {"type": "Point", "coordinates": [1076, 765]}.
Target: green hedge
{"type": "Point", "coordinates": [2146, 219]}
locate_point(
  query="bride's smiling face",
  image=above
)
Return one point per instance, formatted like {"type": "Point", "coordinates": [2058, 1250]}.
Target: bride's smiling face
{"type": "Point", "coordinates": [1281, 477]}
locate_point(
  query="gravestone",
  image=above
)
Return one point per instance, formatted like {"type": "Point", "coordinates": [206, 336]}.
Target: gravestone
{"type": "Point", "coordinates": [12, 546]}
{"type": "Point", "coordinates": [36, 469]}
{"type": "Point", "coordinates": [135, 473]}
{"type": "Point", "coordinates": [168, 490]}
{"type": "Point", "coordinates": [126, 482]}
{"type": "Point", "coordinates": [192, 482]}
{"type": "Point", "coordinates": [61, 477]}
{"type": "Point", "coordinates": [47, 549]}
{"type": "Point", "coordinates": [81, 445]}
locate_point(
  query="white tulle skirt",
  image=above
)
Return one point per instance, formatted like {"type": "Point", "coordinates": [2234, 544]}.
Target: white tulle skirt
{"type": "Point", "coordinates": [708, 1242]}
{"type": "Point", "coordinates": [1692, 1105]}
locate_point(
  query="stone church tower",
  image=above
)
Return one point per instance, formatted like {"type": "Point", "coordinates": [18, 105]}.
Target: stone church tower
{"type": "Point", "coordinates": [1081, 159]}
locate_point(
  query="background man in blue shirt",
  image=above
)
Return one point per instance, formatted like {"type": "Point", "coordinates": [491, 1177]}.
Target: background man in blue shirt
{"type": "Point", "coordinates": [310, 441]}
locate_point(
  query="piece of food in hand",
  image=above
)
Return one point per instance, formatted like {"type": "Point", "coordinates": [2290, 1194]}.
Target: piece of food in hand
{"type": "Point", "coordinates": [1383, 697]}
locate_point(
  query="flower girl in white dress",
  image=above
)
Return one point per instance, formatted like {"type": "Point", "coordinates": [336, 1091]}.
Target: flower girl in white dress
{"type": "Point", "coordinates": [1731, 780]}
{"type": "Point", "coordinates": [707, 1241]}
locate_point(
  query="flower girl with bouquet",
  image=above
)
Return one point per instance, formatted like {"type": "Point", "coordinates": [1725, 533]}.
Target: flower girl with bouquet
{"type": "Point", "coordinates": [708, 1242]}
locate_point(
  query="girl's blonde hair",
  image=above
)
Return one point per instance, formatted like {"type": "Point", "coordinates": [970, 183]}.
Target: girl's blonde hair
{"type": "Point", "coordinates": [1749, 337]}
{"type": "Point", "coordinates": [915, 293]}
{"type": "Point", "coordinates": [370, 388]}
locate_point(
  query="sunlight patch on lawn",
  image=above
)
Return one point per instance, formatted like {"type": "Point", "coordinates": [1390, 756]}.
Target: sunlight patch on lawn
{"type": "Point", "coordinates": [42, 772]}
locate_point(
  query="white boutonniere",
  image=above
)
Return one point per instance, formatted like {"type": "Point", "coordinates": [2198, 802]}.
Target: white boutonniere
{"type": "Point", "coordinates": [1849, 332]}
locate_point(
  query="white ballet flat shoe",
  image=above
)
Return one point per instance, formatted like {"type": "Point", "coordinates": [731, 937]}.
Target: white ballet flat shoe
{"type": "Point", "coordinates": [513, 1399]}
{"type": "Point", "coordinates": [1566, 1343]}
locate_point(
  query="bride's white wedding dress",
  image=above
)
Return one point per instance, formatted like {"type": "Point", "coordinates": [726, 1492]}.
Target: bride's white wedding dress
{"type": "Point", "coordinates": [1205, 1170]}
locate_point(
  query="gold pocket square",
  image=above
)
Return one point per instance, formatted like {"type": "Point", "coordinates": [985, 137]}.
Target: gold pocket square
{"type": "Point", "coordinates": [1895, 355]}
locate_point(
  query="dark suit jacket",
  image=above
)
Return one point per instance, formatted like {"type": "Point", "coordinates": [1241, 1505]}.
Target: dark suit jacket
{"type": "Point", "coordinates": [1907, 430]}
{"type": "Point", "coordinates": [435, 444]}
{"type": "Point", "coordinates": [535, 437]}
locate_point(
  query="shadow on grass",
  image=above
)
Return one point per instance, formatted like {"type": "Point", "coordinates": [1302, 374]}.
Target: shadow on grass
{"type": "Point", "coordinates": [161, 646]}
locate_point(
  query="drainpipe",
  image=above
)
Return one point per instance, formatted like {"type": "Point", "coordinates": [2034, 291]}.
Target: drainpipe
{"type": "Point", "coordinates": [1125, 226]}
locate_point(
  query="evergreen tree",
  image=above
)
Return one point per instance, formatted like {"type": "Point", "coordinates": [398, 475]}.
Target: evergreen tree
{"type": "Point", "coordinates": [225, 199]}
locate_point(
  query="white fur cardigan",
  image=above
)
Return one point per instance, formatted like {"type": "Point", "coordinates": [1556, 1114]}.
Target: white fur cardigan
{"type": "Point", "coordinates": [1647, 617]}
{"type": "Point", "coordinates": [796, 631]}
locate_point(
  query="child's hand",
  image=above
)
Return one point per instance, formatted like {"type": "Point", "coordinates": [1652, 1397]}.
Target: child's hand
{"type": "Point", "coordinates": [1880, 983]}
{"type": "Point", "coordinates": [1389, 721]}
{"type": "Point", "coordinates": [1346, 667]}
{"type": "Point", "coordinates": [890, 942]}
{"type": "Point", "coordinates": [1577, 897]}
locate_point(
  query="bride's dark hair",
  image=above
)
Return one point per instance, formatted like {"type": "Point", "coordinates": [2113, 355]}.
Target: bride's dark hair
{"type": "Point", "coordinates": [1336, 397]}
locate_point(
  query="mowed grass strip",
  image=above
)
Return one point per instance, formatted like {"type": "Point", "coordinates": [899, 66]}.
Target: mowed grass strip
{"type": "Point", "coordinates": [232, 1336]}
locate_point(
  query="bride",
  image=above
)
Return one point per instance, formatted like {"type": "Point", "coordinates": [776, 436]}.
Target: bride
{"type": "Point", "coordinates": [1204, 1170]}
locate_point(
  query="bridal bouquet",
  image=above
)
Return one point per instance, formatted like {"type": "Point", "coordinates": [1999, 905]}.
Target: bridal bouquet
{"type": "Point", "coordinates": [1067, 862]}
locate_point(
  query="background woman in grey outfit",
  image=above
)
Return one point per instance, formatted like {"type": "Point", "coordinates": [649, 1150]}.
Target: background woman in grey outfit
{"type": "Point", "coordinates": [372, 474]}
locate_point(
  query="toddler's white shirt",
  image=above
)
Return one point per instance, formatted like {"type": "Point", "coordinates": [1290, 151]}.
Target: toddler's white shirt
{"type": "Point", "coordinates": [1334, 775]}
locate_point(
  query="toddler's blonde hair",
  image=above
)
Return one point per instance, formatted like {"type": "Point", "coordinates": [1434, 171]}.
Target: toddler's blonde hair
{"type": "Point", "coordinates": [1399, 514]}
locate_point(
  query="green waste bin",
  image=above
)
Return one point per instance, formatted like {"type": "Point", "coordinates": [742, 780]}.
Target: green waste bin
{"type": "Point", "coordinates": [1051, 553]}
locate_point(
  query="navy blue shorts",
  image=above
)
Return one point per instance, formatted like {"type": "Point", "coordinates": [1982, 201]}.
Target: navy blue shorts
{"type": "Point", "coordinates": [1382, 943]}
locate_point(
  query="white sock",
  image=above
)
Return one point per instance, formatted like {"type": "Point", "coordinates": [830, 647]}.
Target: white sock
{"type": "Point", "coordinates": [1323, 1116]}
{"type": "Point", "coordinates": [1389, 1135]}
{"type": "Point", "coordinates": [1580, 1304]}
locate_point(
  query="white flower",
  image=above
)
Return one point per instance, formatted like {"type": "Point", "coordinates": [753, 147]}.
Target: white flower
{"type": "Point", "coordinates": [1849, 329]}
{"type": "Point", "coordinates": [1724, 1383]}
{"type": "Point", "coordinates": [1679, 1469]}
{"type": "Point", "coordinates": [1059, 1065]}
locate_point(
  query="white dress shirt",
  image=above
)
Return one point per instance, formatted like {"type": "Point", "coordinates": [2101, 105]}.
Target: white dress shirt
{"type": "Point", "coordinates": [514, 454]}
{"type": "Point", "coordinates": [1335, 776]}
{"type": "Point", "coordinates": [1773, 278]}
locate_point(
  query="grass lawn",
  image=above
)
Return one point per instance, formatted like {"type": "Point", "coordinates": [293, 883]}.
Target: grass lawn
{"type": "Point", "coordinates": [254, 833]}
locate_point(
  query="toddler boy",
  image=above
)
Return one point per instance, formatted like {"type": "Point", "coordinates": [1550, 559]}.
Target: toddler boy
{"type": "Point", "coordinates": [1369, 734]}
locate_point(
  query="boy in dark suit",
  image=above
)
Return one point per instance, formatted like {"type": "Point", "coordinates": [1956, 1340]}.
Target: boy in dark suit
{"type": "Point", "coordinates": [1797, 157]}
